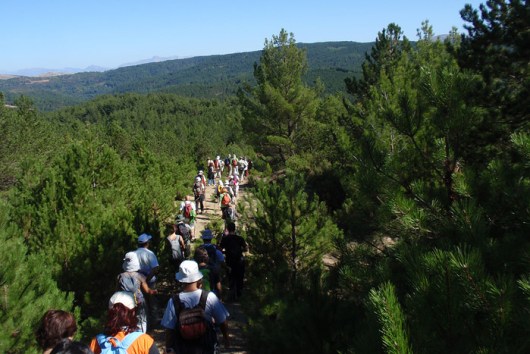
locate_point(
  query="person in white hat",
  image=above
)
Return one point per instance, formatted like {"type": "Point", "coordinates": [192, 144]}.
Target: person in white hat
{"type": "Point", "coordinates": [135, 282]}
{"type": "Point", "coordinates": [191, 279]}
{"type": "Point", "coordinates": [122, 325]}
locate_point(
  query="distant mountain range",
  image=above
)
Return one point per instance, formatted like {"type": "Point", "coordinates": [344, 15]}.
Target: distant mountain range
{"type": "Point", "coordinates": [215, 76]}
{"type": "Point", "coordinates": [91, 68]}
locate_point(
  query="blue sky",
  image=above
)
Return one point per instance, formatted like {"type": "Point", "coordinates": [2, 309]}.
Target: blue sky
{"type": "Point", "coordinates": [78, 33]}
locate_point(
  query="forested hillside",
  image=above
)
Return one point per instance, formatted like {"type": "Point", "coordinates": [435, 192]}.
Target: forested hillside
{"type": "Point", "coordinates": [215, 76]}
{"type": "Point", "coordinates": [390, 217]}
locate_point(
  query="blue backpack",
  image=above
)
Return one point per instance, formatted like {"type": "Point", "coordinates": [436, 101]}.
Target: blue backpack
{"type": "Point", "coordinates": [121, 347]}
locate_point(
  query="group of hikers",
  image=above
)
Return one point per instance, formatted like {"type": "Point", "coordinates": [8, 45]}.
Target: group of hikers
{"type": "Point", "coordinates": [192, 317]}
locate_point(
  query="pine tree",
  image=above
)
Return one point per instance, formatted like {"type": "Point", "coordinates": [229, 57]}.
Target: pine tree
{"type": "Point", "coordinates": [27, 290]}
{"type": "Point", "coordinates": [279, 109]}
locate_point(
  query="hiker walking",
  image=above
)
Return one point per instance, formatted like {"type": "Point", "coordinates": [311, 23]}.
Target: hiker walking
{"type": "Point", "coordinates": [121, 328]}
{"type": "Point", "coordinates": [148, 267]}
{"type": "Point", "coordinates": [200, 175]}
{"type": "Point", "coordinates": [224, 201]}
{"type": "Point", "coordinates": [187, 210]}
{"type": "Point", "coordinates": [234, 182]}
{"type": "Point", "coordinates": [229, 188]}
{"type": "Point", "coordinates": [216, 259]}
{"type": "Point", "coordinates": [176, 243]}
{"type": "Point", "coordinates": [133, 281]}
{"type": "Point", "coordinates": [242, 167]}
{"type": "Point", "coordinates": [228, 165]}
{"type": "Point", "coordinates": [211, 281]}
{"type": "Point", "coordinates": [199, 194]}
{"type": "Point", "coordinates": [202, 309]}
{"type": "Point", "coordinates": [218, 165]}
{"type": "Point", "coordinates": [234, 246]}
{"type": "Point", "coordinates": [211, 173]}
{"type": "Point", "coordinates": [234, 164]}
{"type": "Point", "coordinates": [185, 231]}
{"type": "Point", "coordinates": [219, 190]}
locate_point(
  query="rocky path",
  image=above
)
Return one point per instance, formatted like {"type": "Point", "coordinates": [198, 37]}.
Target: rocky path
{"type": "Point", "coordinates": [237, 320]}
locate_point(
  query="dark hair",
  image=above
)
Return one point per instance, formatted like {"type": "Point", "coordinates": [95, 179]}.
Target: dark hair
{"type": "Point", "coordinates": [54, 326]}
{"type": "Point", "coordinates": [120, 316]}
{"type": "Point", "coordinates": [170, 228]}
{"type": "Point", "coordinates": [200, 255]}
{"type": "Point", "coordinates": [231, 227]}
{"type": "Point", "coordinates": [67, 346]}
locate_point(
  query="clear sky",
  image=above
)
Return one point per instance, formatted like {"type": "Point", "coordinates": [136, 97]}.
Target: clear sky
{"type": "Point", "coordinates": [78, 33]}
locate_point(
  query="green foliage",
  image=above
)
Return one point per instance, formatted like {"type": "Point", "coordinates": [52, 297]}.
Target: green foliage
{"type": "Point", "coordinates": [27, 289]}
{"type": "Point", "coordinates": [186, 130]}
{"type": "Point", "coordinates": [281, 107]}
{"type": "Point", "coordinates": [495, 46]}
{"type": "Point", "coordinates": [288, 236]}
{"type": "Point", "coordinates": [444, 173]}
{"type": "Point", "coordinates": [26, 135]}
{"type": "Point", "coordinates": [207, 77]}
{"type": "Point", "coordinates": [86, 209]}
{"type": "Point", "coordinates": [395, 338]}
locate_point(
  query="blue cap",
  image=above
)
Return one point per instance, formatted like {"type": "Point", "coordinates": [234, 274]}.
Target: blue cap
{"type": "Point", "coordinates": [143, 238]}
{"type": "Point", "coordinates": [207, 234]}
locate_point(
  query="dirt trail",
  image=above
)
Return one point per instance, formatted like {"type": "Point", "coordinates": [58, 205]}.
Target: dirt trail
{"type": "Point", "coordinates": [237, 319]}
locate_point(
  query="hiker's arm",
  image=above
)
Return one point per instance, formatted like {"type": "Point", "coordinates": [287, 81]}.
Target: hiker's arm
{"type": "Point", "coordinates": [171, 334]}
{"type": "Point", "coordinates": [219, 288]}
{"type": "Point", "coordinates": [181, 242]}
{"type": "Point", "coordinates": [224, 330]}
{"type": "Point", "coordinates": [147, 290]}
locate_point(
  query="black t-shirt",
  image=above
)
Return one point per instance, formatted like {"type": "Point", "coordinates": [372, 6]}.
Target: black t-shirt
{"type": "Point", "coordinates": [234, 246]}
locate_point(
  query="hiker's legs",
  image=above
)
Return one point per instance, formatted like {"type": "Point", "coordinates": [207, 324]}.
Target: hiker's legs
{"type": "Point", "coordinates": [142, 317]}
{"type": "Point", "coordinates": [239, 274]}
{"type": "Point", "coordinates": [151, 308]}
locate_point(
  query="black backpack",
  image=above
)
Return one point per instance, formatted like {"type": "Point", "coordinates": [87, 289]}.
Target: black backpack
{"type": "Point", "coordinates": [195, 334]}
{"type": "Point", "coordinates": [197, 189]}
{"type": "Point", "coordinates": [183, 231]}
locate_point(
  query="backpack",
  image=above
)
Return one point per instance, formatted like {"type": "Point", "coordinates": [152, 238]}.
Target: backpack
{"type": "Point", "coordinates": [187, 211]}
{"type": "Point", "coordinates": [197, 189]}
{"type": "Point", "coordinates": [120, 347]}
{"type": "Point", "coordinates": [227, 162]}
{"type": "Point", "coordinates": [230, 214]}
{"type": "Point", "coordinates": [234, 162]}
{"type": "Point", "coordinates": [193, 329]}
{"type": "Point", "coordinates": [216, 163]}
{"type": "Point", "coordinates": [184, 231]}
{"type": "Point", "coordinates": [226, 200]}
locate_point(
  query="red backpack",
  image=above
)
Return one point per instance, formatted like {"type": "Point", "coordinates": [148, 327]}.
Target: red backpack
{"type": "Point", "coordinates": [187, 211]}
